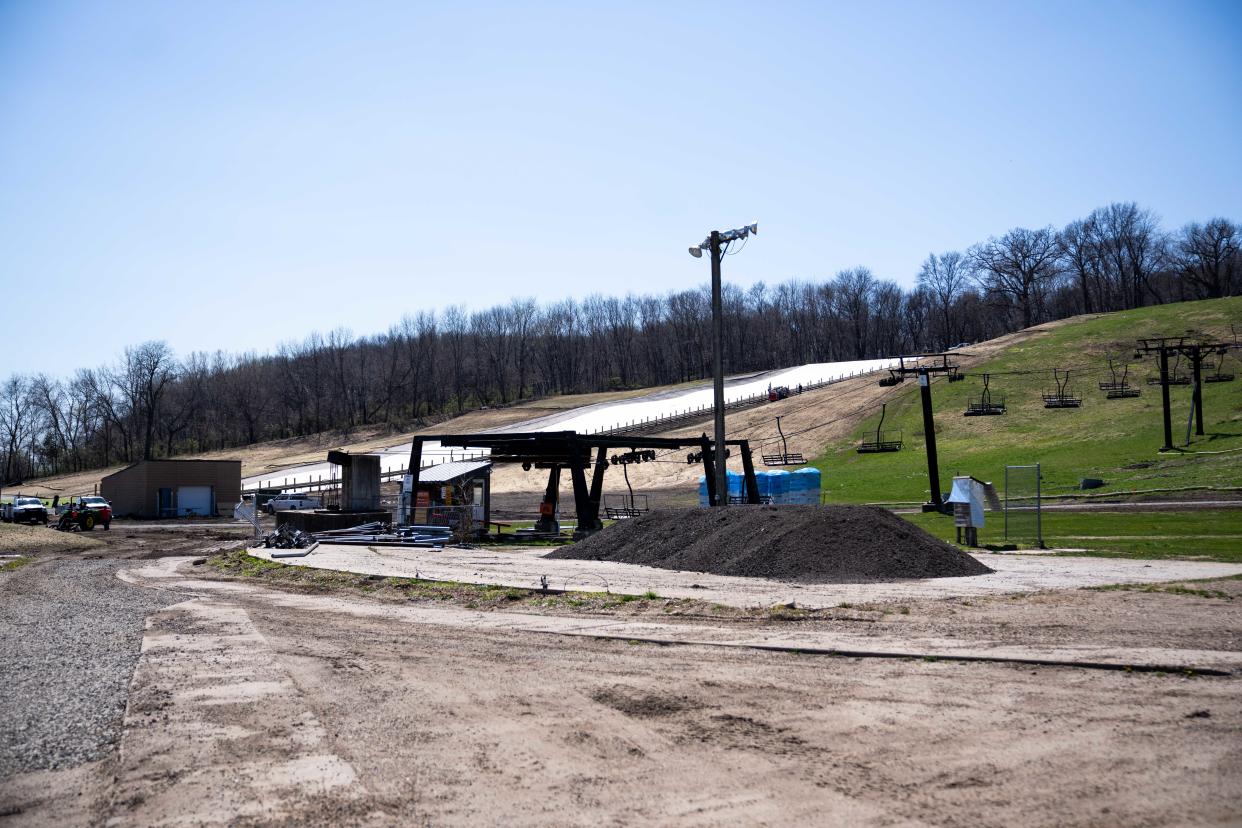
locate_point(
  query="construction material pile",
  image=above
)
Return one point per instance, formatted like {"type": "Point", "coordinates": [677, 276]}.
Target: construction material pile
{"type": "Point", "coordinates": [821, 544]}
{"type": "Point", "coordinates": [286, 537]}
{"type": "Point", "coordinates": [379, 533]}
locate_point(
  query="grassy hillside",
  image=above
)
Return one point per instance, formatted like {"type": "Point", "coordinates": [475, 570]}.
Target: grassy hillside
{"type": "Point", "coordinates": [1115, 440]}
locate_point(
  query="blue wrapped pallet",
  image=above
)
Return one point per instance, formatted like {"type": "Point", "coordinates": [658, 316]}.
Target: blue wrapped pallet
{"type": "Point", "coordinates": [778, 486]}
{"type": "Point", "coordinates": [761, 480]}
{"type": "Point", "coordinates": [808, 486]}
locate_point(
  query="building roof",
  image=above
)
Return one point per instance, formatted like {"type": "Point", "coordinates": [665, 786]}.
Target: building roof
{"type": "Point", "coordinates": [138, 463]}
{"type": "Point", "coordinates": [446, 472]}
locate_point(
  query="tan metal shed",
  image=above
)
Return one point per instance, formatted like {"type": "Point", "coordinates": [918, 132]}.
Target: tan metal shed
{"type": "Point", "coordinates": [174, 488]}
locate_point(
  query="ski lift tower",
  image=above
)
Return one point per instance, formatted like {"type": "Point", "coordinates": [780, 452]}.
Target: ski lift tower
{"type": "Point", "coordinates": [1196, 349]}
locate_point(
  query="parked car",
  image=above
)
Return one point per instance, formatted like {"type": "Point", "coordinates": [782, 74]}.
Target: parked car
{"type": "Point", "coordinates": [85, 513]}
{"type": "Point", "coordinates": [24, 510]}
{"type": "Point", "coordinates": [292, 500]}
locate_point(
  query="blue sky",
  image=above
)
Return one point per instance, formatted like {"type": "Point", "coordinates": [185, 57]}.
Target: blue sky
{"type": "Point", "coordinates": [231, 175]}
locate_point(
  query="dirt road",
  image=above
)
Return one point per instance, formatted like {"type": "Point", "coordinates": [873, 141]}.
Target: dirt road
{"type": "Point", "coordinates": [252, 705]}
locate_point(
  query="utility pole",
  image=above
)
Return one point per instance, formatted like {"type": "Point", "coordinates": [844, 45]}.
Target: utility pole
{"type": "Point", "coordinates": [722, 483]}
{"type": "Point", "coordinates": [929, 432]}
{"type": "Point", "coordinates": [713, 244]}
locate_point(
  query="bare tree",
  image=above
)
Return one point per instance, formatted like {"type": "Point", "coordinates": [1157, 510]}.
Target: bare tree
{"type": "Point", "coordinates": [1079, 246]}
{"type": "Point", "coordinates": [855, 291]}
{"type": "Point", "coordinates": [1132, 249]}
{"type": "Point", "coordinates": [144, 378]}
{"type": "Point", "coordinates": [522, 319]}
{"type": "Point", "coordinates": [16, 423]}
{"type": "Point", "coordinates": [945, 277]}
{"type": "Point", "coordinates": [1018, 265]}
{"type": "Point", "coordinates": [1209, 256]}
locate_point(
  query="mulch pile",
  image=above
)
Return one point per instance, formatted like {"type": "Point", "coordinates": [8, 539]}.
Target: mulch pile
{"type": "Point", "coordinates": [821, 544]}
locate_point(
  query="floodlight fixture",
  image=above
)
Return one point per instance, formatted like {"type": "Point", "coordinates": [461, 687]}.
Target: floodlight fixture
{"type": "Point", "coordinates": [740, 233]}
{"type": "Point", "coordinates": [725, 236]}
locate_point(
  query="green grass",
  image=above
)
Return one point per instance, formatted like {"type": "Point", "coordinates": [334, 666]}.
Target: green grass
{"type": "Point", "coordinates": [1206, 534]}
{"type": "Point", "coordinates": [1115, 440]}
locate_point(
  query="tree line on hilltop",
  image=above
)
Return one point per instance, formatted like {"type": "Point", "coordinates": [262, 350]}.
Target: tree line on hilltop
{"type": "Point", "coordinates": [150, 403]}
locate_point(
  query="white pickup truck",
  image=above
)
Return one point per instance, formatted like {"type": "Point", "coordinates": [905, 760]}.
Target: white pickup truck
{"type": "Point", "coordinates": [292, 500]}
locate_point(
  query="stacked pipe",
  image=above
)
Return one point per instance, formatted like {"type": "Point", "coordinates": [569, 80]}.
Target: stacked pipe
{"type": "Point", "coordinates": [379, 533]}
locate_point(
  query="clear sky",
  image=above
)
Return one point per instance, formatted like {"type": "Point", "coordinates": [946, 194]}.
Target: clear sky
{"type": "Point", "coordinates": [230, 175]}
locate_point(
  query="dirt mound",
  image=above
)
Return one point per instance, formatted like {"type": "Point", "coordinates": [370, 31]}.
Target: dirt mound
{"type": "Point", "coordinates": [824, 544]}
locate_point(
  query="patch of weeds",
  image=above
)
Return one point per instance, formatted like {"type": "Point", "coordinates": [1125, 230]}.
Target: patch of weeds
{"type": "Point", "coordinates": [784, 613]}
{"type": "Point", "coordinates": [239, 562]}
{"type": "Point", "coordinates": [16, 563]}
{"type": "Point", "coordinates": [845, 605]}
{"type": "Point", "coordinates": [1169, 589]}
{"type": "Point", "coordinates": [903, 610]}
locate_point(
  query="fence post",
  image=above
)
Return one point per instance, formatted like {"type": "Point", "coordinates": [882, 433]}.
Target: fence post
{"type": "Point", "coordinates": [1039, 509]}
{"type": "Point", "coordinates": [1006, 503]}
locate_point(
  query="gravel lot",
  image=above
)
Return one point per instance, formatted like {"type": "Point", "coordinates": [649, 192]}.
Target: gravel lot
{"type": "Point", "coordinates": [70, 633]}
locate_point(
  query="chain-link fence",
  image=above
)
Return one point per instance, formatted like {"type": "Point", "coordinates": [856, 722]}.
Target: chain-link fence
{"type": "Point", "coordinates": [1023, 516]}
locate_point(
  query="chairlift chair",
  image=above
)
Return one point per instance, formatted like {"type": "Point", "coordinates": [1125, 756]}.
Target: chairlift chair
{"type": "Point", "coordinates": [1219, 376]}
{"type": "Point", "coordinates": [882, 442]}
{"type": "Point", "coordinates": [629, 506]}
{"type": "Point", "coordinates": [620, 507]}
{"type": "Point", "coordinates": [785, 458]}
{"type": "Point", "coordinates": [892, 379]}
{"type": "Point", "coordinates": [1061, 398]}
{"type": "Point", "coordinates": [1113, 384]}
{"type": "Point", "coordinates": [986, 405]}
{"type": "Point", "coordinates": [1118, 389]}
{"type": "Point", "coordinates": [1175, 378]}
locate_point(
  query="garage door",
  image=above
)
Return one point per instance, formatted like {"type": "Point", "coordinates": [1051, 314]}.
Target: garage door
{"type": "Point", "coordinates": [194, 498]}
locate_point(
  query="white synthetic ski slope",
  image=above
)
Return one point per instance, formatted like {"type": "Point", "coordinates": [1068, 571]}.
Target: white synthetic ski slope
{"type": "Point", "coordinates": [598, 417]}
